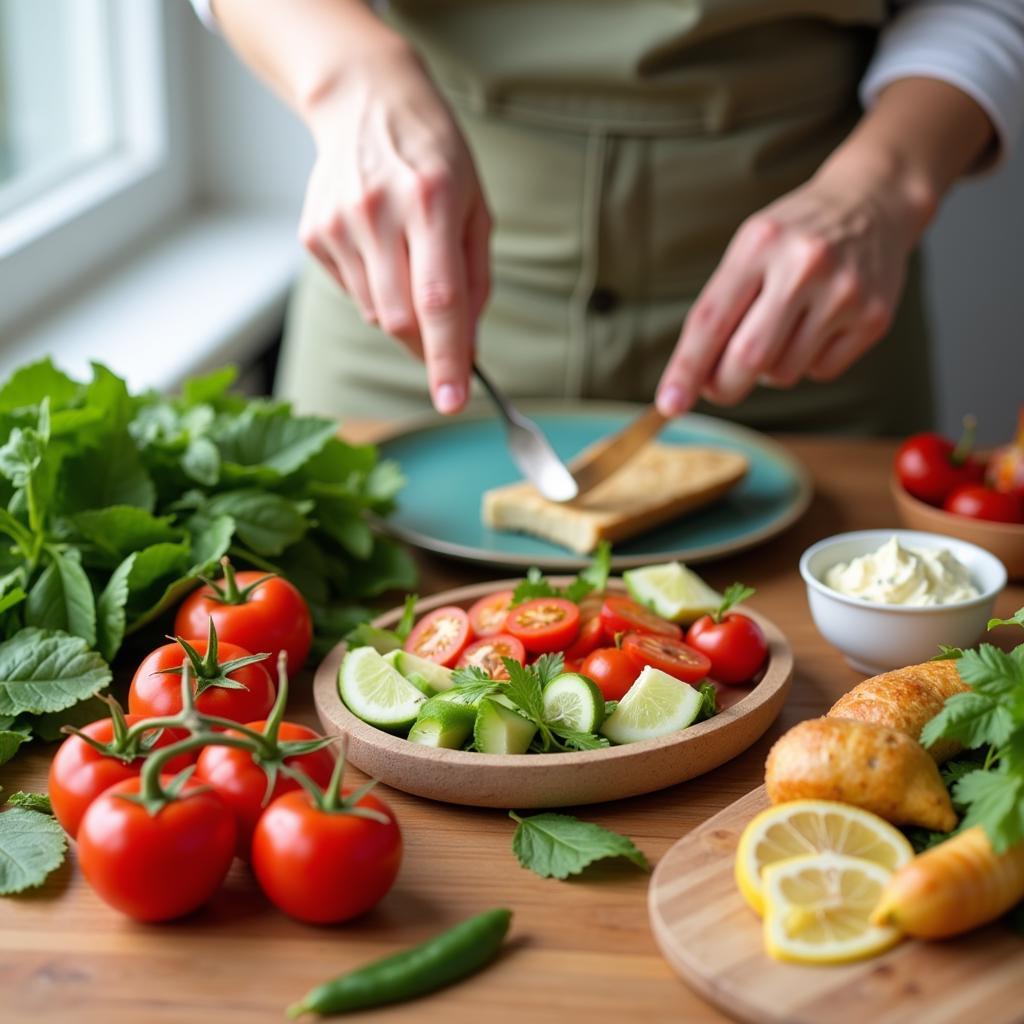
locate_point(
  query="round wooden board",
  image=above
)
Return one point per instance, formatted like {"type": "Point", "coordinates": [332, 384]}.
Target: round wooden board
{"type": "Point", "coordinates": [554, 780]}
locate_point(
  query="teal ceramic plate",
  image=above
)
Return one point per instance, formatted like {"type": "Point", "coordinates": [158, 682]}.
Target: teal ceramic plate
{"type": "Point", "coordinates": [450, 463]}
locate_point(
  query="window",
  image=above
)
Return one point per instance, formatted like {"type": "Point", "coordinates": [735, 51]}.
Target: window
{"type": "Point", "coordinates": [88, 161]}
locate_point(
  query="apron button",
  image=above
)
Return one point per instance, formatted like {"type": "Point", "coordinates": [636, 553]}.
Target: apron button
{"type": "Point", "coordinates": [602, 301]}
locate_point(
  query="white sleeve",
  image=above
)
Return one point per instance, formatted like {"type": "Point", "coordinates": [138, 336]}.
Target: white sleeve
{"type": "Point", "coordinates": [975, 45]}
{"type": "Point", "coordinates": [204, 12]}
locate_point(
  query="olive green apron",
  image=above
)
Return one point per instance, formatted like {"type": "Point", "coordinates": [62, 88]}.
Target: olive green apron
{"type": "Point", "coordinates": [620, 145]}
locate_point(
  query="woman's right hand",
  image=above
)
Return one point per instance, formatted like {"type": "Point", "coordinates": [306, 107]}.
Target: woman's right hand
{"type": "Point", "coordinates": [395, 213]}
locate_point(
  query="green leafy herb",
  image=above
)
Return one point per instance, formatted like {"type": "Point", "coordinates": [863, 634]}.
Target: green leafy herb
{"type": "Point", "coordinates": [32, 844]}
{"type": "Point", "coordinates": [1016, 619]}
{"type": "Point", "coordinates": [708, 701]}
{"type": "Point", "coordinates": [31, 801]}
{"type": "Point", "coordinates": [593, 578]}
{"type": "Point", "coordinates": [385, 640]}
{"type": "Point", "coordinates": [472, 683]}
{"type": "Point", "coordinates": [735, 593]}
{"type": "Point", "coordinates": [11, 741]}
{"type": "Point", "coordinates": [559, 845]}
{"type": "Point", "coordinates": [947, 653]}
{"type": "Point", "coordinates": [535, 585]}
{"type": "Point", "coordinates": [572, 739]}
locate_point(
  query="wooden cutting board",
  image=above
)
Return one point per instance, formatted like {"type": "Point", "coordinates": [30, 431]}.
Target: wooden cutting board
{"type": "Point", "coordinates": [712, 938]}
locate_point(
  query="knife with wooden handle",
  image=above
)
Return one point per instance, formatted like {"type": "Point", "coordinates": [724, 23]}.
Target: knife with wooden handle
{"type": "Point", "coordinates": [604, 457]}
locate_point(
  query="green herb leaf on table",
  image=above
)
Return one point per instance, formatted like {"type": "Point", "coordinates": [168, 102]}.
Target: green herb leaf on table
{"type": "Point", "coordinates": [31, 801]}
{"type": "Point", "coordinates": [11, 741]}
{"type": "Point", "coordinates": [559, 845]}
{"type": "Point", "coordinates": [32, 844]}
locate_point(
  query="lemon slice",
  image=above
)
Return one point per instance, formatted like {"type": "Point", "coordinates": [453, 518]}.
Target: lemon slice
{"type": "Point", "coordinates": [802, 827]}
{"type": "Point", "coordinates": [672, 591]}
{"type": "Point", "coordinates": [818, 909]}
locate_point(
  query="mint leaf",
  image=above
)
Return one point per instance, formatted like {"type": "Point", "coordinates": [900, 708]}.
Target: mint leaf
{"type": "Point", "coordinates": [31, 846]}
{"type": "Point", "coordinates": [119, 530]}
{"type": "Point", "coordinates": [266, 522]}
{"type": "Point", "coordinates": [110, 610]}
{"type": "Point", "coordinates": [62, 597]}
{"type": "Point", "coordinates": [201, 461]}
{"type": "Point", "coordinates": [11, 741]}
{"type": "Point", "coordinates": [32, 801]}
{"type": "Point", "coordinates": [32, 383]}
{"type": "Point", "coordinates": [270, 437]}
{"type": "Point", "coordinates": [111, 473]}
{"type": "Point", "coordinates": [973, 719]}
{"type": "Point", "coordinates": [209, 388]}
{"type": "Point", "coordinates": [47, 671]}
{"type": "Point", "coordinates": [558, 845]}
{"type": "Point", "coordinates": [211, 540]}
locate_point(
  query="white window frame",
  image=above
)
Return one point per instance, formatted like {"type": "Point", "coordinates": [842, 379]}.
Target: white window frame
{"type": "Point", "coordinates": [64, 233]}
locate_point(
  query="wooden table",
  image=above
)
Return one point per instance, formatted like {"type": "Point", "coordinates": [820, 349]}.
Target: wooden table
{"type": "Point", "coordinates": [581, 947]}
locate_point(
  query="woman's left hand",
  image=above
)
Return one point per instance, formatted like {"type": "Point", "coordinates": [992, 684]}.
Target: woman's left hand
{"type": "Point", "coordinates": [805, 288]}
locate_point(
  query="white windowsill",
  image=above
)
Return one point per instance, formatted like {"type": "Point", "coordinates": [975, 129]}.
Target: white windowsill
{"type": "Point", "coordinates": [210, 290]}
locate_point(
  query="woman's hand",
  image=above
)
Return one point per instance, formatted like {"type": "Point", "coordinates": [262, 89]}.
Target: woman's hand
{"type": "Point", "coordinates": [805, 288]}
{"type": "Point", "coordinates": [394, 211]}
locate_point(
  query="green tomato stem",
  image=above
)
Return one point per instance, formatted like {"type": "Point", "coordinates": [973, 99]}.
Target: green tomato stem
{"type": "Point", "coordinates": [963, 447]}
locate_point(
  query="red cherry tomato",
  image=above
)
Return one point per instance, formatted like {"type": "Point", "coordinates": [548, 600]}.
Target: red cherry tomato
{"type": "Point", "coordinates": [322, 866]}
{"type": "Point", "coordinates": [736, 646]}
{"type": "Point", "coordinates": [488, 653]}
{"type": "Point", "coordinates": [487, 616]}
{"type": "Point", "coordinates": [589, 638]}
{"type": "Point", "coordinates": [243, 784]}
{"type": "Point", "coordinates": [544, 624]}
{"type": "Point", "coordinates": [613, 671]}
{"type": "Point", "coordinates": [79, 772]}
{"type": "Point", "coordinates": [441, 635]}
{"type": "Point", "coordinates": [624, 615]}
{"type": "Point", "coordinates": [271, 617]}
{"type": "Point", "coordinates": [979, 502]}
{"type": "Point", "coordinates": [668, 654]}
{"type": "Point", "coordinates": [155, 867]}
{"type": "Point", "coordinates": [153, 694]}
{"type": "Point", "coordinates": [930, 467]}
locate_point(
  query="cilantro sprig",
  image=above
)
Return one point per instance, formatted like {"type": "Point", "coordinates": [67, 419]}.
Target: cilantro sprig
{"type": "Point", "coordinates": [594, 578]}
{"type": "Point", "coordinates": [988, 718]}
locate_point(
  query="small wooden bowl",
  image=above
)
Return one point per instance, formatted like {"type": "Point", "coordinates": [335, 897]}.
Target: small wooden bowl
{"type": "Point", "coordinates": [554, 780]}
{"type": "Point", "coordinates": [1004, 540]}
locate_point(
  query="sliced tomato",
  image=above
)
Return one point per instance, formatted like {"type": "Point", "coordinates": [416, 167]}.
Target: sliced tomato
{"type": "Point", "coordinates": [623, 615]}
{"type": "Point", "coordinates": [590, 606]}
{"type": "Point", "coordinates": [441, 635]}
{"type": "Point", "coordinates": [667, 653]}
{"type": "Point", "coordinates": [487, 616]}
{"type": "Point", "coordinates": [544, 624]}
{"type": "Point", "coordinates": [488, 653]}
{"type": "Point", "coordinates": [590, 637]}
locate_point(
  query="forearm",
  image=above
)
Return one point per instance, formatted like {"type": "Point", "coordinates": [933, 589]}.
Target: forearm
{"type": "Point", "coordinates": [302, 48]}
{"type": "Point", "coordinates": [917, 140]}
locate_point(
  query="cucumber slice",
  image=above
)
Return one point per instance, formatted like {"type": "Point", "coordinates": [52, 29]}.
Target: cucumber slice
{"type": "Point", "coordinates": [574, 702]}
{"type": "Point", "coordinates": [655, 705]}
{"type": "Point", "coordinates": [500, 730]}
{"type": "Point", "coordinates": [443, 723]}
{"type": "Point", "coordinates": [437, 677]}
{"type": "Point", "coordinates": [376, 692]}
{"type": "Point", "coordinates": [671, 591]}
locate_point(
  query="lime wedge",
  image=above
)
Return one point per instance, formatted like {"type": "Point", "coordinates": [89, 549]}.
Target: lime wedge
{"type": "Point", "coordinates": [672, 591]}
{"type": "Point", "coordinates": [376, 692]}
{"type": "Point", "coordinates": [655, 705]}
{"type": "Point", "coordinates": [437, 677]}
{"type": "Point", "coordinates": [443, 723]}
{"type": "Point", "coordinates": [573, 702]}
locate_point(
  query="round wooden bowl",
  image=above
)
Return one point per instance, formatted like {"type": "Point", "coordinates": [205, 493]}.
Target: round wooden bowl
{"type": "Point", "coordinates": [554, 780]}
{"type": "Point", "coordinates": [1004, 540]}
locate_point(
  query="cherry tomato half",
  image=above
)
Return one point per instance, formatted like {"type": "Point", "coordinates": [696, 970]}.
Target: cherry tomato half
{"type": "Point", "coordinates": [272, 617]}
{"type": "Point", "coordinates": [736, 646]}
{"type": "Point", "coordinates": [679, 660]}
{"type": "Point", "coordinates": [321, 866]}
{"type": "Point", "coordinates": [441, 635]}
{"type": "Point", "coordinates": [612, 670]}
{"type": "Point", "coordinates": [487, 616]}
{"type": "Point", "coordinates": [155, 867]}
{"type": "Point", "coordinates": [544, 624]}
{"type": "Point", "coordinates": [79, 772]}
{"type": "Point", "coordinates": [624, 615]}
{"type": "Point", "coordinates": [979, 502]}
{"type": "Point", "coordinates": [487, 654]}
{"type": "Point", "coordinates": [589, 638]}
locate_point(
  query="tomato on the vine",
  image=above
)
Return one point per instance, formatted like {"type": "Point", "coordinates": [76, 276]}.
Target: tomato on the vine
{"type": "Point", "coordinates": [624, 615]}
{"type": "Point", "coordinates": [930, 467]}
{"type": "Point", "coordinates": [489, 653]}
{"type": "Point", "coordinates": [544, 624]}
{"type": "Point", "coordinates": [252, 610]}
{"type": "Point", "coordinates": [161, 865]}
{"type": "Point", "coordinates": [977, 501]}
{"type": "Point", "coordinates": [734, 643]}
{"type": "Point", "coordinates": [667, 653]}
{"type": "Point", "coordinates": [326, 857]}
{"type": "Point", "coordinates": [237, 687]}
{"type": "Point", "coordinates": [441, 635]}
{"type": "Point", "coordinates": [487, 616]}
{"type": "Point", "coordinates": [612, 670]}
{"type": "Point", "coordinates": [80, 771]}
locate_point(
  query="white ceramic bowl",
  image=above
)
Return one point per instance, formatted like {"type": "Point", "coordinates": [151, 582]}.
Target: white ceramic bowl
{"type": "Point", "coordinates": [877, 637]}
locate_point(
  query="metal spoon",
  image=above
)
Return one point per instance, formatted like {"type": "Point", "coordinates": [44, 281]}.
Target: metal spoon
{"type": "Point", "coordinates": [530, 449]}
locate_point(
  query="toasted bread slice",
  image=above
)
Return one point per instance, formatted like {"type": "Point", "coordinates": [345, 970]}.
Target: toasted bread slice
{"type": "Point", "coordinates": [659, 483]}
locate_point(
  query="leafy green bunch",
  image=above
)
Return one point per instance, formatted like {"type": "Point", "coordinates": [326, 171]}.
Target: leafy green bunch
{"type": "Point", "coordinates": [989, 719]}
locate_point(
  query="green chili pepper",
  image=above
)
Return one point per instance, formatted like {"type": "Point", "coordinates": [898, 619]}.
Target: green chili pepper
{"type": "Point", "coordinates": [440, 961]}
